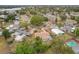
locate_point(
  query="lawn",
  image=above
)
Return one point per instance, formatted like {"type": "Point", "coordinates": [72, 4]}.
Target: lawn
{"type": "Point", "coordinates": [64, 37]}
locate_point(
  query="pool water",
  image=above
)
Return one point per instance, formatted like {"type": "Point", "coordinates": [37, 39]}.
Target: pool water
{"type": "Point", "coordinates": [72, 43]}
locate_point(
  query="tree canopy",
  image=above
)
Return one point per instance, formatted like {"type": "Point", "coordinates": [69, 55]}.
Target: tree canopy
{"type": "Point", "coordinates": [35, 46]}
{"type": "Point", "coordinates": [77, 19]}
{"type": "Point", "coordinates": [10, 17]}
{"type": "Point", "coordinates": [23, 24]}
{"type": "Point", "coordinates": [58, 47]}
{"type": "Point", "coordinates": [76, 32]}
{"type": "Point", "coordinates": [6, 33]}
{"type": "Point", "coordinates": [38, 20]}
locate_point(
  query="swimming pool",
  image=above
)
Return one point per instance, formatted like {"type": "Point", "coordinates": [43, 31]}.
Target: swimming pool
{"type": "Point", "coordinates": [71, 43]}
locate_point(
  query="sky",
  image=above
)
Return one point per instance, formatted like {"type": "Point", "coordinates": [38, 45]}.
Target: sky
{"type": "Point", "coordinates": [39, 2]}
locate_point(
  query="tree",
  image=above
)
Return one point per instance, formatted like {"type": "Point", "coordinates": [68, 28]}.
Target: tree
{"type": "Point", "coordinates": [37, 20]}
{"type": "Point", "coordinates": [39, 46]}
{"type": "Point", "coordinates": [77, 19]}
{"type": "Point", "coordinates": [45, 19]}
{"type": "Point", "coordinates": [73, 17]}
{"type": "Point", "coordinates": [63, 17]}
{"type": "Point", "coordinates": [6, 33]}
{"type": "Point", "coordinates": [76, 32]}
{"type": "Point", "coordinates": [22, 11]}
{"type": "Point", "coordinates": [33, 12]}
{"type": "Point", "coordinates": [35, 46]}
{"type": "Point", "coordinates": [23, 24]}
{"type": "Point", "coordinates": [24, 48]}
{"type": "Point", "coordinates": [58, 47]}
{"type": "Point", "coordinates": [10, 17]}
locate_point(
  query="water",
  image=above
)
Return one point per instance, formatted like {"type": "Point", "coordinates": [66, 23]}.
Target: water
{"type": "Point", "coordinates": [72, 43]}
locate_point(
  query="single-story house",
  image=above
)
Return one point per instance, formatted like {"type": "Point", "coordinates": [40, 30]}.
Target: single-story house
{"type": "Point", "coordinates": [11, 10]}
{"type": "Point", "coordinates": [18, 35]}
{"type": "Point", "coordinates": [68, 15]}
{"type": "Point", "coordinates": [74, 13]}
{"type": "Point", "coordinates": [16, 22]}
{"type": "Point", "coordinates": [12, 27]}
{"type": "Point", "coordinates": [72, 29]}
{"type": "Point", "coordinates": [70, 22]}
{"type": "Point", "coordinates": [43, 34]}
{"type": "Point", "coordinates": [1, 31]}
{"type": "Point", "coordinates": [24, 17]}
{"type": "Point", "coordinates": [3, 16]}
{"type": "Point", "coordinates": [17, 17]}
{"type": "Point", "coordinates": [57, 31]}
{"type": "Point", "coordinates": [52, 18]}
{"type": "Point", "coordinates": [68, 28]}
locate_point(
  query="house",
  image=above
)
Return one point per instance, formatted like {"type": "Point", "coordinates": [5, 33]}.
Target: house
{"type": "Point", "coordinates": [0, 31]}
{"type": "Point", "coordinates": [43, 34]}
{"type": "Point", "coordinates": [68, 15]}
{"type": "Point", "coordinates": [57, 31]}
{"type": "Point", "coordinates": [10, 10]}
{"type": "Point", "coordinates": [74, 13]}
{"type": "Point", "coordinates": [24, 17]}
{"type": "Point", "coordinates": [70, 22]}
{"type": "Point", "coordinates": [17, 17]}
{"type": "Point", "coordinates": [72, 29]}
{"type": "Point", "coordinates": [69, 26]}
{"type": "Point", "coordinates": [3, 16]}
{"type": "Point", "coordinates": [18, 35]}
{"type": "Point", "coordinates": [12, 27]}
{"type": "Point", "coordinates": [52, 18]}
{"type": "Point", "coordinates": [68, 29]}
{"type": "Point", "coordinates": [16, 22]}
{"type": "Point", "coordinates": [31, 30]}
{"type": "Point", "coordinates": [54, 26]}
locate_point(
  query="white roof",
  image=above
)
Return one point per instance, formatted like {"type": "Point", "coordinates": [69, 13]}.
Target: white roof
{"type": "Point", "coordinates": [0, 32]}
{"type": "Point", "coordinates": [3, 16]}
{"type": "Point", "coordinates": [57, 31]}
{"type": "Point", "coordinates": [73, 28]}
{"type": "Point", "coordinates": [50, 16]}
{"type": "Point", "coordinates": [16, 22]}
{"type": "Point", "coordinates": [10, 9]}
{"type": "Point", "coordinates": [9, 27]}
{"type": "Point", "coordinates": [19, 38]}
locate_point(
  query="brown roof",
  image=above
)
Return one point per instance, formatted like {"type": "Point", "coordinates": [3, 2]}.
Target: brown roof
{"type": "Point", "coordinates": [43, 34]}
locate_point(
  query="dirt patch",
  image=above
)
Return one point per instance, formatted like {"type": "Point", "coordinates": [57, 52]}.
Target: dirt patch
{"type": "Point", "coordinates": [4, 48]}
